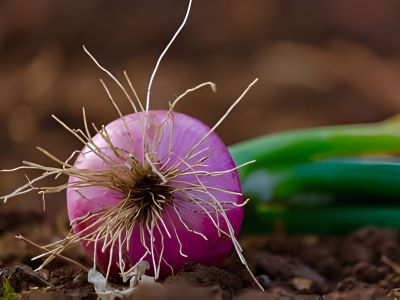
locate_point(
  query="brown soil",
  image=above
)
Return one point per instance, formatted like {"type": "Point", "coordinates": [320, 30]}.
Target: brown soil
{"type": "Point", "coordinates": [362, 265]}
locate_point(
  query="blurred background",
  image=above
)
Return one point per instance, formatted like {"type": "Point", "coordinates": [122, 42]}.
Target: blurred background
{"type": "Point", "coordinates": [319, 63]}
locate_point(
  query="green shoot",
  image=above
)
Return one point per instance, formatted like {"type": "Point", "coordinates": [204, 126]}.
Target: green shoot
{"type": "Point", "coordinates": [7, 292]}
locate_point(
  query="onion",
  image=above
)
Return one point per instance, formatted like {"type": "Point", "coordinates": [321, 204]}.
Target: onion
{"type": "Point", "coordinates": [168, 194]}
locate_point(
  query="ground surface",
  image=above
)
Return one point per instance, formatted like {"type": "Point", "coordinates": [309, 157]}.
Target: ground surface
{"type": "Point", "coordinates": [361, 265]}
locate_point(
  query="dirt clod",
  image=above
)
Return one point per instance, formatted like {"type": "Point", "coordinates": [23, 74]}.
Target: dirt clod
{"type": "Point", "coordinates": [285, 268]}
{"type": "Point", "coordinates": [68, 277]}
{"type": "Point", "coordinates": [203, 276]}
{"type": "Point", "coordinates": [22, 277]}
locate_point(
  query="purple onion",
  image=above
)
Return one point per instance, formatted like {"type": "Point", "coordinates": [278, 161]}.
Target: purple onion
{"type": "Point", "coordinates": [167, 193]}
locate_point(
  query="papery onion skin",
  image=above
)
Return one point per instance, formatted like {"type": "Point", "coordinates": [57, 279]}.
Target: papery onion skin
{"type": "Point", "coordinates": [187, 131]}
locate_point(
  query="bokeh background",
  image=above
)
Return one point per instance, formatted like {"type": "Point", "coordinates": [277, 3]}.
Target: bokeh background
{"type": "Point", "coordinates": [319, 63]}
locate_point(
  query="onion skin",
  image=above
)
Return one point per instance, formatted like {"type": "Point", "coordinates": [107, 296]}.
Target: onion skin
{"type": "Point", "coordinates": [187, 131]}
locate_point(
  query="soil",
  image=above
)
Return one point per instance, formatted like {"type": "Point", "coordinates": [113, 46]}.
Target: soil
{"type": "Point", "coordinates": [362, 265]}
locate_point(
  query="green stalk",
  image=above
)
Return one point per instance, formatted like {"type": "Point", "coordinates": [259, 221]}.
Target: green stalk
{"type": "Point", "coordinates": [345, 179]}
{"type": "Point", "coordinates": [286, 149]}
{"type": "Point", "coordinates": [337, 219]}
{"type": "Point", "coordinates": [312, 193]}
{"type": "Point", "coordinates": [332, 196]}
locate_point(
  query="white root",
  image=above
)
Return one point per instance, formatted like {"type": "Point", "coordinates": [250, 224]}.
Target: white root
{"type": "Point", "coordinates": [212, 85]}
{"type": "Point", "coordinates": [113, 78]}
{"type": "Point", "coordinates": [163, 53]}
{"type": "Point", "coordinates": [222, 118]}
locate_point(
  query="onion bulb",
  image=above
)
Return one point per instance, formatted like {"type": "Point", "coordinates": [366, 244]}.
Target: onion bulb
{"type": "Point", "coordinates": [168, 193]}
